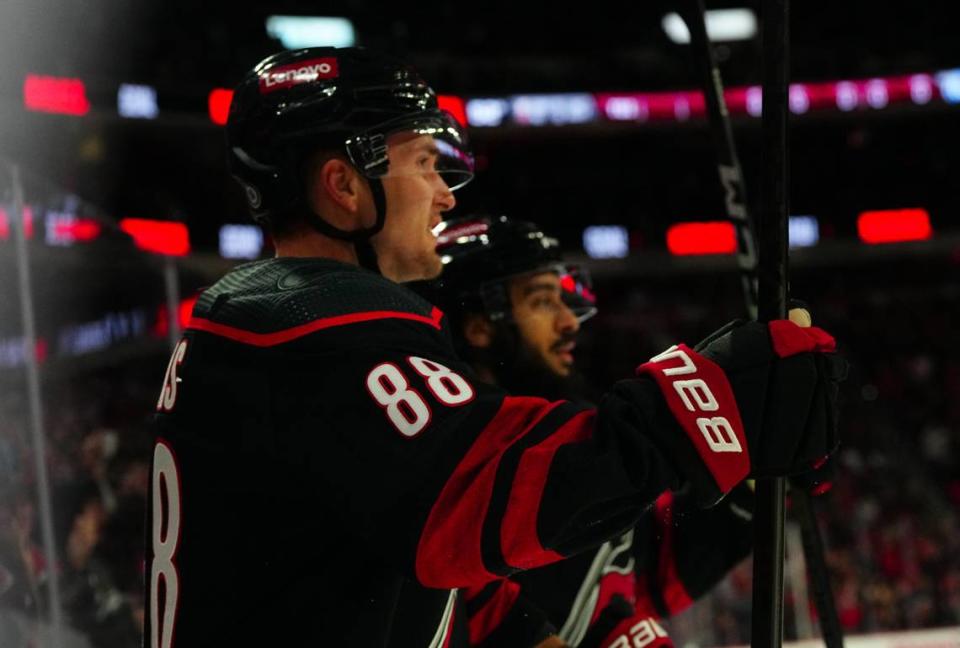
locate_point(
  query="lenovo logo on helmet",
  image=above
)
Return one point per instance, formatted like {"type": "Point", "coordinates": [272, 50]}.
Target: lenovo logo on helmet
{"type": "Point", "coordinates": [287, 76]}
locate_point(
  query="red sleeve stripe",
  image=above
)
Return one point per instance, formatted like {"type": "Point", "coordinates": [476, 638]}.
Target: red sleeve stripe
{"type": "Point", "coordinates": [494, 610]}
{"type": "Point", "coordinates": [449, 552]}
{"type": "Point", "coordinates": [675, 595]}
{"type": "Point", "coordinates": [492, 545]}
{"type": "Point", "coordinates": [287, 335]}
{"type": "Point", "coordinates": [518, 534]}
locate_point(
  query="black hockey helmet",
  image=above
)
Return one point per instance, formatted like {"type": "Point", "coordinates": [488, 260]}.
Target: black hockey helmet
{"type": "Point", "coordinates": [480, 254]}
{"type": "Point", "coordinates": [345, 99]}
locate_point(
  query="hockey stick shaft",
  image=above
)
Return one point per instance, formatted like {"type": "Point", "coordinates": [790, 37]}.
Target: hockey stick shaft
{"type": "Point", "coordinates": [767, 619]}
{"type": "Point", "coordinates": [771, 268]}
{"type": "Point", "coordinates": [737, 205]}
{"type": "Point", "coordinates": [829, 619]}
{"type": "Point", "coordinates": [728, 163]}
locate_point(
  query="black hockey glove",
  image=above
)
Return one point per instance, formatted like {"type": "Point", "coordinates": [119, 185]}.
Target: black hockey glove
{"type": "Point", "coordinates": [753, 399]}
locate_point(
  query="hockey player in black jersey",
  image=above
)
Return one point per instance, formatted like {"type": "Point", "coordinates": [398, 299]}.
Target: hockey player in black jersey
{"type": "Point", "coordinates": [515, 309]}
{"type": "Point", "coordinates": [328, 472]}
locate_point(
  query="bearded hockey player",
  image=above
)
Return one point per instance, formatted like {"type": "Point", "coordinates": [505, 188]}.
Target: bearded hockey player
{"type": "Point", "coordinates": [327, 471]}
{"type": "Point", "coordinates": [515, 309]}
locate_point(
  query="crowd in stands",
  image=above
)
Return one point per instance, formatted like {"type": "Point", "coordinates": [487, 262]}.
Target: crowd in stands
{"type": "Point", "coordinates": [890, 522]}
{"type": "Point", "coordinates": [97, 459]}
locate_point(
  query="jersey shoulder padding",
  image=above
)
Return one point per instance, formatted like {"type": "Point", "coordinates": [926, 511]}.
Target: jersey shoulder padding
{"type": "Point", "coordinates": [296, 296]}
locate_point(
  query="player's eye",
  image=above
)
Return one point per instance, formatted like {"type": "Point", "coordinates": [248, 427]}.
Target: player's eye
{"type": "Point", "coordinates": [545, 302]}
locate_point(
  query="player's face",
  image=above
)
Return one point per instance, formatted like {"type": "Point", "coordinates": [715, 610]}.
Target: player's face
{"type": "Point", "coordinates": [416, 198]}
{"type": "Point", "coordinates": [547, 326]}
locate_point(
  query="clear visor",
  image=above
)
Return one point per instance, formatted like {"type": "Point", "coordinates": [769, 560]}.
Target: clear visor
{"type": "Point", "coordinates": [576, 289]}
{"type": "Point", "coordinates": [576, 292]}
{"type": "Point", "coordinates": [447, 155]}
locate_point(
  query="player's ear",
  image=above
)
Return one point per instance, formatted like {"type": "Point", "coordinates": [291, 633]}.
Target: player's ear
{"type": "Point", "coordinates": [336, 181]}
{"type": "Point", "coordinates": [478, 330]}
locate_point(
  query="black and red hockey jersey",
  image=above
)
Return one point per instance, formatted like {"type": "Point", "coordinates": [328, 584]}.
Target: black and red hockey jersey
{"type": "Point", "coordinates": [675, 554]}
{"type": "Point", "coordinates": [327, 472]}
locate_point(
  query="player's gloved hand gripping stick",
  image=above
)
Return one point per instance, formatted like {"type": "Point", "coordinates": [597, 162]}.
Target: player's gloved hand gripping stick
{"type": "Point", "coordinates": [753, 399]}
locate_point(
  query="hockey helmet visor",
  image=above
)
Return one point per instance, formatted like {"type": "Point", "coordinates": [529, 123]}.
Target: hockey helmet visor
{"type": "Point", "coordinates": [576, 291]}
{"type": "Point", "coordinates": [454, 162]}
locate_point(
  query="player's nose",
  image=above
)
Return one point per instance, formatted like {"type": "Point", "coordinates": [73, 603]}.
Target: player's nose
{"type": "Point", "coordinates": [445, 199]}
{"type": "Point", "coordinates": [567, 321]}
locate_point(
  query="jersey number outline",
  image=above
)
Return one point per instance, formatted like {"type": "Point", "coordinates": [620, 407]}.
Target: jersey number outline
{"type": "Point", "coordinates": [165, 540]}
{"type": "Point", "coordinates": [405, 407]}
{"type": "Point", "coordinates": [168, 393]}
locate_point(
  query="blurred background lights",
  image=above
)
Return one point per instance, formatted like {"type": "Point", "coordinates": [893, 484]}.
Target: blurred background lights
{"type": "Point", "coordinates": [804, 231]}
{"type": "Point", "coordinates": [295, 32]}
{"type": "Point", "coordinates": [722, 25]}
{"type": "Point", "coordinates": [240, 241]}
{"type": "Point", "coordinates": [137, 101]}
{"type": "Point", "coordinates": [606, 241]}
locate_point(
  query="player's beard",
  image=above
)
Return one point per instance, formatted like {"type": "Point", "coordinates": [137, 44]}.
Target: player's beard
{"type": "Point", "coordinates": [522, 371]}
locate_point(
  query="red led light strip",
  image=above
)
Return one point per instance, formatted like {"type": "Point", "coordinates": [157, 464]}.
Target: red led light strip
{"type": "Point", "coordinates": [894, 226]}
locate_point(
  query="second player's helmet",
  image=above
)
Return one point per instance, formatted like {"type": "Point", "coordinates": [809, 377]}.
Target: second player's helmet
{"type": "Point", "coordinates": [347, 100]}
{"type": "Point", "coordinates": [480, 255]}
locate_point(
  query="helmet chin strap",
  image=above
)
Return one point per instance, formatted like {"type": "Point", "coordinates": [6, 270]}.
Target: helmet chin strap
{"type": "Point", "coordinates": [366, 255]}
{"type": "Point", "coordinates": [360, 238]}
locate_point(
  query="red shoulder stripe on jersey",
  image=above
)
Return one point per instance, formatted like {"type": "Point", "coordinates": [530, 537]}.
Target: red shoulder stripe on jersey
{"type": "Point", "coordinates": [449, 550]}
{"type": "Point", "coordinates": [279, 337]}
{"type": "Point", "coordinates": [675, 594]}
{"type": "Point", "coordinates": [518, 534]}
{"type": "Point", "coordinates": [489, 617]}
